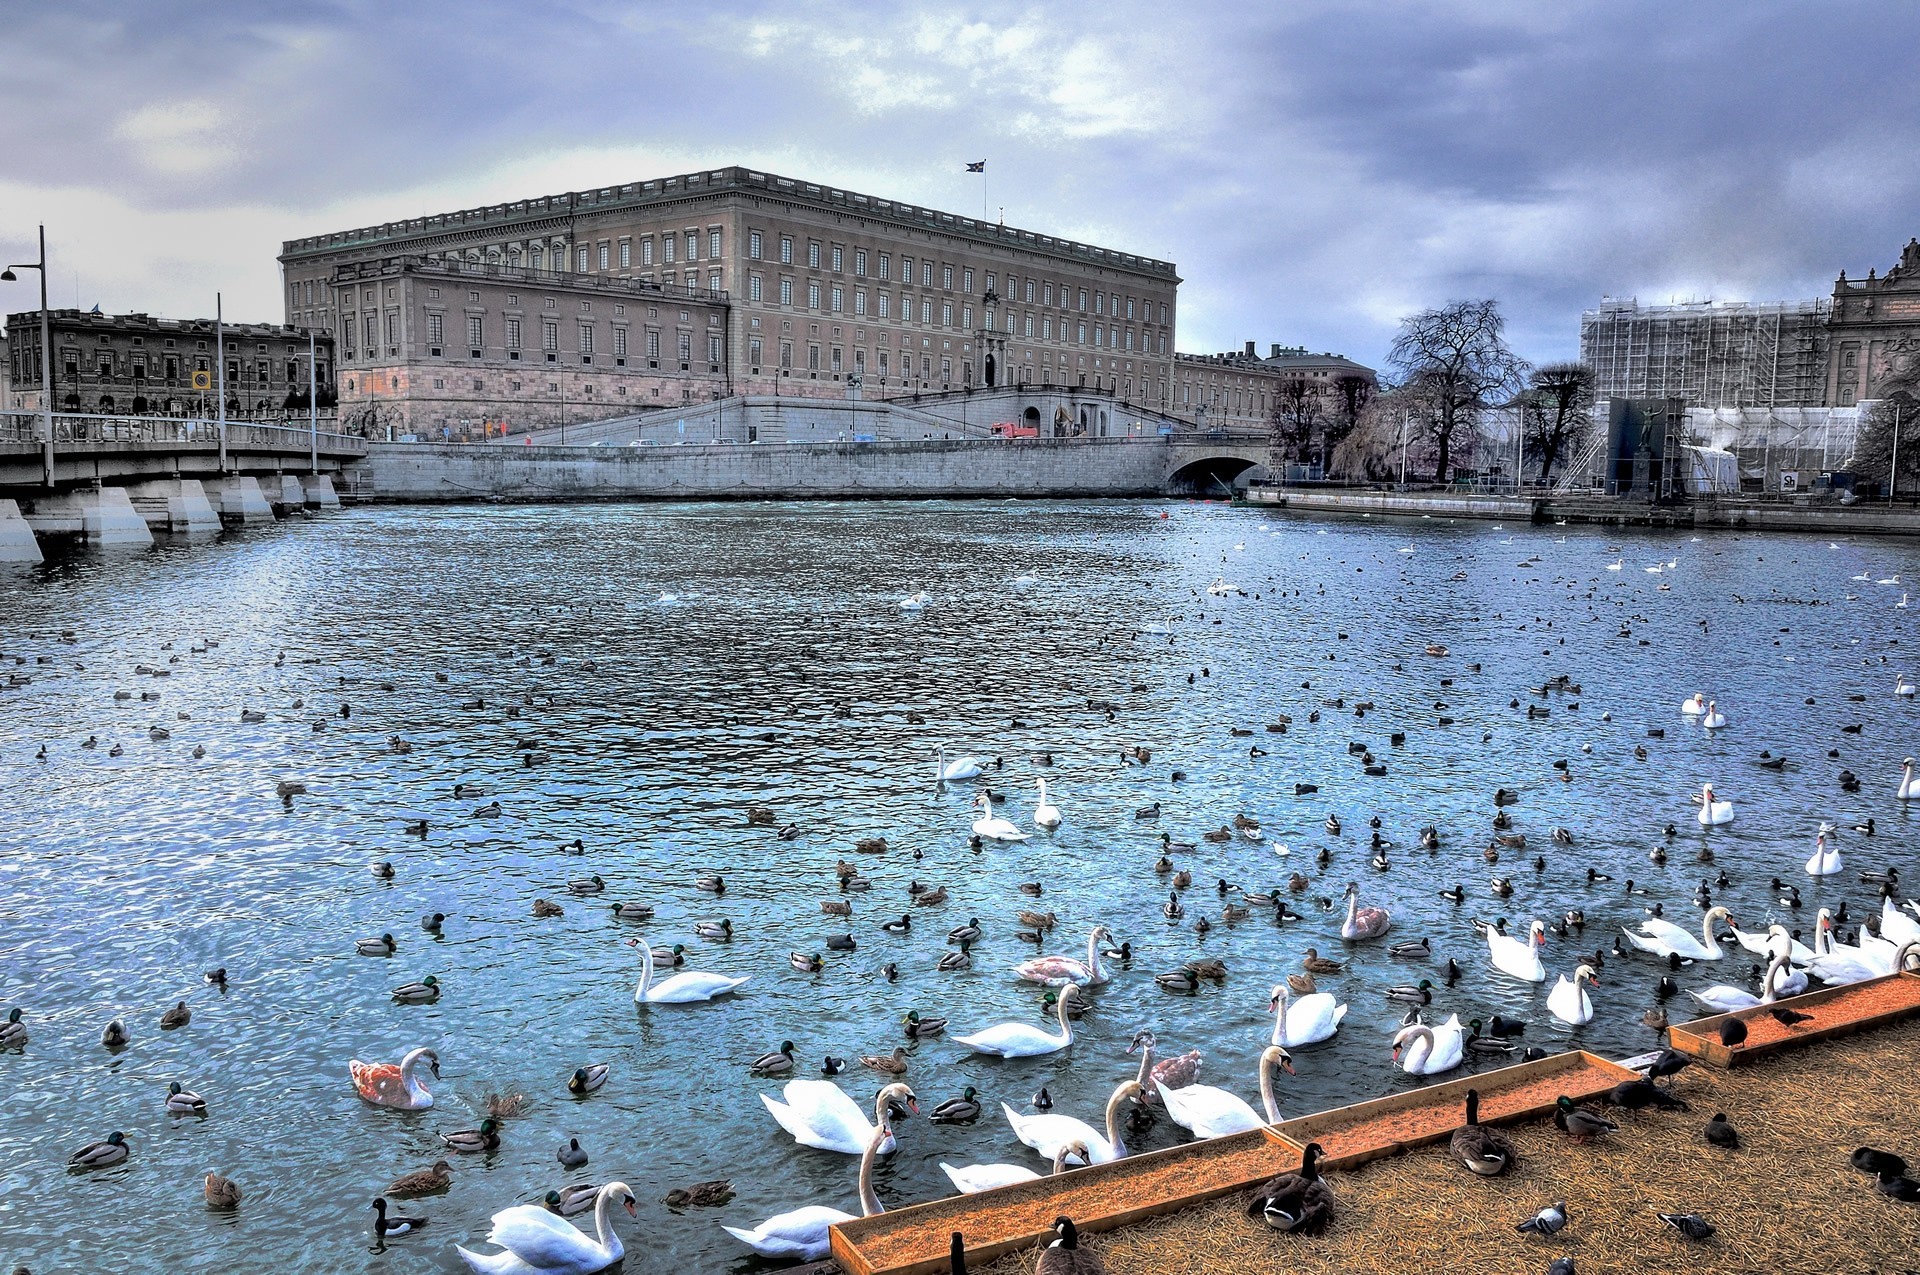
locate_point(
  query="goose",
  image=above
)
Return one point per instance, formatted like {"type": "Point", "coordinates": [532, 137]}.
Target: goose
{"type": "Point", "coordinates": [1664, 938]}
{"type": "Point", "coordinates": [1058, 971]}
{"type": "Point", "coordinates": [1064, 1256]}
{"type": "Point", "coordinates": [1485, 1151]}
{"type": "Point", "coordinates": [1421, 1050]}
{"type": "Point", "coordinates": [537, 1242]}
{"type": "Point", "coordinates": [184, 1102]}
{"type": "Point", "coordinates": [1048, 1132]}
{"type": "Point", "coordinates": [1211, 1112]}
{"type": "Point", "coordinates": [1022, 1040]}
{"type": "Point", "coordinates": [396, 1084]}
{"type": "Point", "coordinates": [1569, 1002]}
{"type": "Point", "coordinates": [1520, 958]}
{"type": "Point", "coordinates": [819, 1114]}
{"type": "Point", "coordinates": [1713, 810]}
{"type": "Point", "coordinates": [1045, 814]}
{"type": "Point", "coordinates": [991, 827]}
{"type": "Point", "coordinates": [684, 988]}
{"type": "Point", "coordinates": [1300, 1202]}
{"type": "Point", "coordinates": [973, 1179]}
{"type": "Point", "coordinates": [1826, 859]}
{"type": "Point", "coordinates": [1713, 719]}
{"type": "Point", "coordinates": [960, 768]}
{"type": "Point", "coordinates": [1363, 923]}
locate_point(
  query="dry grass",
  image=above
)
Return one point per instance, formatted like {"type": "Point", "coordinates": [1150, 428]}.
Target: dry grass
{"type": "Point", "coordinates": [1787, 1203]}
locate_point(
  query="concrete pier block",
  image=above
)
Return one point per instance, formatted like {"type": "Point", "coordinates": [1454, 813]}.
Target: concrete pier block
{"type": "Point", "coordinates": [107, 517]}
{"type": "Point", "coordinates": [284, 493]}
{"type": "Point", "coordinates": [240, 500]}
{"type": "Point", "coordinates": [175, 504]}
{"type": "Point", "coordinates": [320, 492]}
{"type": "Point", "coordinates": [16, 536]}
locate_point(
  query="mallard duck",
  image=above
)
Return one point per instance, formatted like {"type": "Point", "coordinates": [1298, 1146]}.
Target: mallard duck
{"type": "Point", "coordinates": [952, 961]}
{"type": "Point", "coordinates": [184, 1102]}
{"type": "Point", "coordinates": [423, 1181]}
{"type": "Point", "coordinates": [382, 946]}
{"type": "Point", "coordinates": [1299, 1202]}
{"type": "Point", "coordinates": [1583, 1124]}
{"type": "Point", "coordinates": [1314, 963]}
{"type": "Point", "coordinates": [1232, 912]}
{"type": "Point", "coordinates": [761, 816]}
{"type": "Point", "coordinates": [777, 1063]}
{"type": "Point", "coordinates": [894, 1064]}
{"type": "Point", "coordinates": [1208, 967]}
{"type": "Point", "coordinates": [1412, 949]}
{"type": "Point", "coordinates": [927, 898]}
{"type": "Point", "coordinates": [1038, 920]}
{"type": "Point", "coordinates": [632, 911]}
{"type": "Point", "coordinates": [222, 1193]}
{"type": "Point", "coordinates": [384, 1226]}
{"type": "Point", "coordinates": [1302, 984]}
{"type": "Point", "coordinates": [571, 1201]}
{"type": "Point", "coordinates": [711, 883]}
{"type": "Point", "coordinates": [836, 907]}
{"type": "Point", "coordinates": [968, 933]}
{"type": "Point", "coordinates": [1181, 879]}
{"type": "Point", "coordinates": [856, 884]}
{"type": "Point", "coordinates": [586, 885]}
{"type": "Point", "coordinates": [115, 1035]}
{"type": "Point", "coordinates": [1170, 846]}
{"type": "Point", "coordinates": [381, 868]}
{"type": "Point", "coordinates": [716, 1191]}
{"type": "Point", "coordinates": [721, 929]}
{"type": "Point", "coordinates": [547, 907]}
{"type": "Point", "coordinates": [1033, 889]}
{"type": "Point", "coordinates": [99, 1155]}
{"type": "Point", "coordinates": [423, 992]}
{"type": "Point", "coordinates": [916, 1027]}
{"type": "Point", "coordinates": [1180, 980]}
{"type": "Point", "coordinates": [473, 1141]}
{"type": "Point", "coordinates": [1484, 1151]}
{"type": "Point", "coordinates": [807, 964]}
{"type": "Point", "coordinates": [585, 1080]}
{"type": "Point", "coordinates": [1418, 994]}
{"type": "Point", "coordinates": [670, 957]}
{"type": "Point", "coordinates": [13, 1032]}
{"type": "Point", "coordinates": [572, 1155]}
{"type": "Point", "coordinates": [1219, 835]}
{"type": "Point", "coordinates": [961, 1110]}
{"type": "Point", "coordinates": [871, 845]}
{"type": "Point", "coordinates": [178, 1016]}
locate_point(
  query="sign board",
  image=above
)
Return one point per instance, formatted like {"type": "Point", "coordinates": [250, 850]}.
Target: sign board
{"type": "Point", "coordinates": [203, 380]}
{"type": "Point", "coordinates": [1789, 482]}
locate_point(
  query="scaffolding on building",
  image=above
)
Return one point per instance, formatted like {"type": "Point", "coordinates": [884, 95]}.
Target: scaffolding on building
{"type": "Point", "coordinates": [1710, 353]}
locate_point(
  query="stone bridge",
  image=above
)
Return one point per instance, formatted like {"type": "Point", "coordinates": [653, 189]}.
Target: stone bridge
{"type": "Point", "coordinates": [114, 479]}
{"type": "Point", "coordinates": [1213, 463]}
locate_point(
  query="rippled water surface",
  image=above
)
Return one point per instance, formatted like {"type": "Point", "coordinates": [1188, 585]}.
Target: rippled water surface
{"type": "Point", "coordinates": [680, 663]}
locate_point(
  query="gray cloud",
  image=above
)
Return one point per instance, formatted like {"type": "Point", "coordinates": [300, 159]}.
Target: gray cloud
{"type": "Point", "coordinates": [1316, 169]}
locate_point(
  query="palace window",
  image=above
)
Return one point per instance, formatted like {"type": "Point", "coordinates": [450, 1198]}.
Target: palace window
{"type": "Point", "coordinates": [786, 250]}
{"type": "Point", "coordinates": [753, 244]}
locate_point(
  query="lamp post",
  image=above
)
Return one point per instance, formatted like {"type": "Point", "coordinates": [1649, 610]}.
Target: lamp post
{"type": "Point", "coordinates": [46, 349]}
{"type": "Point", "coordinates": [1893, 466]}
{"type": "Point", "coordinates": [313, 406]}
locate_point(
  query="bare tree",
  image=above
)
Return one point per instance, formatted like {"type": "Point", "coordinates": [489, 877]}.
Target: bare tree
{"type": "Point", "coordinates": [1894, 418]}
{"type": "Point", "coordinates": [1297, 410]}
{"type": "Point", "coordinates": [1370, 450]}
{"type": "Point", "coordinates": [1456, 360]}
{"type": "Point", "coordinates": [1351, 394]}
{"type": "Point", "coordinates": [1558, 398]}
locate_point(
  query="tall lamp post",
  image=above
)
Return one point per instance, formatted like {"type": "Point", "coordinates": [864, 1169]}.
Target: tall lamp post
{"type": "Point", "coordinates": [46, 348]}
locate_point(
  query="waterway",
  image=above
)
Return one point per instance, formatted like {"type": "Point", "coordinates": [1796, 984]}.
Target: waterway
{"type": "Point", "coordinates": [679, 663]}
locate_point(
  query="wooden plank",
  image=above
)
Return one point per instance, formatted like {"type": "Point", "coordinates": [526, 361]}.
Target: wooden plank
{"type": "Point", "coordinates": [1835, 1011]}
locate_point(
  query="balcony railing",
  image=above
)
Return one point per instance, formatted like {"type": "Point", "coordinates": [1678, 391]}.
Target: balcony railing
{"type": "Point", "coordinates": [525, 275]}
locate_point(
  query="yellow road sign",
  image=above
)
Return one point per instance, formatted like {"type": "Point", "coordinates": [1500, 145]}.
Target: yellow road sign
{"type": "Point", "coordinates": [203, 380]}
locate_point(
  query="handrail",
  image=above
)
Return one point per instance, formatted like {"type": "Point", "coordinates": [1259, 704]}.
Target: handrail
{"type": "Point", "coordinates": [75, 428]}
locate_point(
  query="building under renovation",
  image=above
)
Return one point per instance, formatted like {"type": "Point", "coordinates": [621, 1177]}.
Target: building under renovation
{"type": "Point", "coordinates": [1709, 353]}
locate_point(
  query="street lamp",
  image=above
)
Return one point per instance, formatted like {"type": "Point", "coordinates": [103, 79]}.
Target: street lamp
{"type": "Point", "coordinates": [46, 347]}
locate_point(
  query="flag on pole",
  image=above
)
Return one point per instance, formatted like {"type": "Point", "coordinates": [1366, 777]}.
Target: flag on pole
{"type": "Point", "coordinates": [977, 167]}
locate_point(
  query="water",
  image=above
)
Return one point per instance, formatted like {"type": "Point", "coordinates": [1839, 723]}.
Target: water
{"type": "Point", "coordinates": [783, 673]}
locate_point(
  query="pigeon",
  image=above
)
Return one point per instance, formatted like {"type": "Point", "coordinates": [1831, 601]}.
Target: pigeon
{"type": "Point", "coordinates": [1547, 1221]}
{"type": "Point", "coordinates": [1879, 1163]}
{"type": "Point", "coordinates": [1722, 1134]}
{"type": "Point", "coordinates": [1691, 1225]}
{"type": "Point", "coordinates": [1895, 1187]}
{"type": "Point", "coordinates": [1788, 1017]}
{"type": "Point", "coordinates": [1561, 1266]}
{"type": "Point", "coordinates": [1670, 1063]}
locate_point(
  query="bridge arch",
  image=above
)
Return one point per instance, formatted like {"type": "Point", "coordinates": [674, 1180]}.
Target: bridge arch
{"type": "Point", "coordinates": [1215, 474]}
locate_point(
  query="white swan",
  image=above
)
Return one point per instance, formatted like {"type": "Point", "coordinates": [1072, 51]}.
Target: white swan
{"type": "Point", "coordinates": [1208, 1111]}
{"type": "Point", "coordinates": [819, 1114]}
{"type": "Point", "coordinates": [1713, 811]}
{"type": "Point", "coordinates": [806, 1234]}
{"type": "Point", "coordinates": [1909, 787]}
{"type": "Point", "coordinates": [1664, 938]}
{"type": "Point", "coordinates": [1058, 971]}
{"type": "Point", "coordinates": [1826, 859]}
{"type": "Point", "coordinates": [684, 988]}
{"type": "Point", "coordinates": [1569, 1002]}
{"type": "Point", "coordinates": [975, 1178]}
{"type": "Point", "coordinates": [1363, 923]}
{"type": "Point", "coordinates": [916, 601]}
{"type": "Point", "coordinates": [1049, 1132]}
{"type": "Point", "coordinates": [1724, 999]}
{"type": "Point", "coordinates": [1421, 1050]}
{"type": "Point", "coordinates": [396, 1085]}
{"type": "Point", "coordinates": [537, 1242]}
{"type": "Point", "coordinates": [1714, 719]}
{"type": "Point", "coordinates": [1519, 957]}
{"type": "Point", "coordinates": [1024, 1040]}
{"type": "Point", "coordinates": [1694, 707]}
{"type": "Point", "coordinates": [992, 827]}
{"type": "Point", "coordinates": [1045, 813]}
{"type": "Point", "coordinates": [1314, 1017]}
{"type": "Point", "coordinates": [1896, 927]}
{"type": "Point", "coordinates": [1762, 944]}
{"type": "Point", "coordinates": [1904, 688]}
{"type": "Point", "coordinates": [949, 772]}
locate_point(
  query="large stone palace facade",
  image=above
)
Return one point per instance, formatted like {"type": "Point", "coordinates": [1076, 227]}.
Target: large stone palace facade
{"type": "Point", "coordinates": [709, 284]}
{"type": "Point", "coordinates": [1874, 341]}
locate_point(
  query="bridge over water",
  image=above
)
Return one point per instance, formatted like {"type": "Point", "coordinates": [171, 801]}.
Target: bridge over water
{"type": "Point", "coordinates": [115, 479]}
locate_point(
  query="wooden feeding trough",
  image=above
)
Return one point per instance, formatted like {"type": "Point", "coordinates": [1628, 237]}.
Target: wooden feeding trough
{"type": "Point", "coordinates": [916, 1240]}
{"type": "Point", "coordinates": [1351, 1136]}
{"type": "Point", "coordinates": [1831, 1011]}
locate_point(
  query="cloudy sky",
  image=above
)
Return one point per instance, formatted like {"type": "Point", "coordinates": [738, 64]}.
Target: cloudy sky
{"type": "Point", "coordinates": [1316, 170]}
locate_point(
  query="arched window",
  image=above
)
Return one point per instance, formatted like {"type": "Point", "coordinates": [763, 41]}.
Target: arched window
{"type": "Point", "coordinates": [106, 402]}
{"type": "Point", "coordinates": [139, 405]}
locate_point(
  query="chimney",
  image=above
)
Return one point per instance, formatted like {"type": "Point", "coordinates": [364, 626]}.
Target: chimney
{"type": "Point", "coordinates": [1276, 350]}
{"type": "Point", "coordinates": [1249, 349]}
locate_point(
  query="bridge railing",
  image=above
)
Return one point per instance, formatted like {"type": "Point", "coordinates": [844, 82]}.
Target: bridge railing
{"type": "Point", "coordinates": [84, 427]}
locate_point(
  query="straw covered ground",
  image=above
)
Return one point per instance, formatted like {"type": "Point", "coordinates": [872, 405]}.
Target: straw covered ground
{"type": "Point", "coordinates": [1787, 1203]}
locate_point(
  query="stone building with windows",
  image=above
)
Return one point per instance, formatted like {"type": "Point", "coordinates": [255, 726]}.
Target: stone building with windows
{"type": "Point", "coordinates": [137, 365]}
{"type": "Point", "coordinates": [1874, 333]}
{"type": "Point", "coordinates": [757, 284]}
{"type": "Point", "coordinates": [1239, 389]}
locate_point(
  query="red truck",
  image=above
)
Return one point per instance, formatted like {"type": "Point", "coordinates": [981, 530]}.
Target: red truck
{"type": "Point", "coordinates": [1014, 429]}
